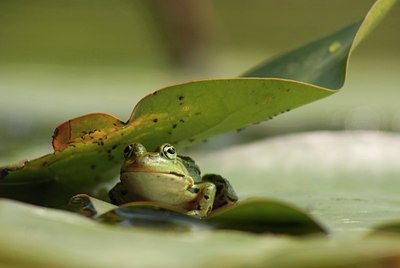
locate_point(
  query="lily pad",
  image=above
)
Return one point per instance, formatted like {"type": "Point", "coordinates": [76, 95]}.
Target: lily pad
{"type": "Point", "coordinates": [265, 216]}
{"type": "Point", "coordinates": [88, 149]}
{"type": "Point", "coordinates": [253, 215]}
{"type": "Point", "coordinates": [32, 236]}
{"type": "Point", "coordinates": [348, 180]}
{"type": "Point", "coordinates": [388, 228]}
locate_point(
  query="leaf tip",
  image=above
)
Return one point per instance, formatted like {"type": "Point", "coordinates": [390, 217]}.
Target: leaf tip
{"type": "Point", "coordinates": [90, 125]}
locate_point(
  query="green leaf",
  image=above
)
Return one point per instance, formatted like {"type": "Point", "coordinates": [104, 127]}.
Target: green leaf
{"type": "Point", "coordinates": [347, 180]}
{"type": "Point", "coordinates": [32, 236]}
{"type": "Point", "coordinates": [88, 149]}
{"type": "Point", "coordinates": [264, 216]}
{"type": "Point", "coordinates": [253, 215]}
{"type": "Point", "coordinates": [389, 228]}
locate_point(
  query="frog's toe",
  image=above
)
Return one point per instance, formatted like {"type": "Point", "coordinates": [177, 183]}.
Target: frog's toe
{"type": "Point", "coordinates": [197, 213]}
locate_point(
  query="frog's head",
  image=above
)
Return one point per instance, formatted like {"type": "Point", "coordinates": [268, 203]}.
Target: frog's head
{"type": "Point", "coordinates": [163, 161]}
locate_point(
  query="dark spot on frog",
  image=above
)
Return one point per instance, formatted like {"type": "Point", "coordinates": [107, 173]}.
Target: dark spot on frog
{"type": "Point", "coordinates": [288, 90]}
{"type": "Point", "coordinates": [287, 110]}
{"type": "Point", "coordinates": [205, 140]}
{"type": "Point", "coordinates": [206, 197]}
{"type": "Point", "coordinates": [180, 98]}
{"type": "Point", "coordinates": [169, 133]}
{"type": "Point", "coordinates": [154, 93]}
{"type": "Point", "coordinates": [174, 125]}
{"type": "Point", "coordinates": [182, 121]}
{"type": "Point", "coordinates": [114, 124]}
{"type": "Point", "coordinates": [92, 166]}
{"type": "Point", "coordinates": [191, 140]}
{"type": "Point", "coordinates": [124, 192]}
{"type": "Point", "coordinates": [155, 120]}
{"type": "Point", "coordinates": [45, 164]}
{"type": "Point", "coordinates": [197, 113]}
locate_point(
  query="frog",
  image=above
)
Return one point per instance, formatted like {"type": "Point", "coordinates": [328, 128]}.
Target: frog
{"type": "Point", "coordinates": [166, 177]}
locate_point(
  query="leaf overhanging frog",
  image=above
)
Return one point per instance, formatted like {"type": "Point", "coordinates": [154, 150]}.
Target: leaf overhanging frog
{"type": "Point", "coordinates": [169, 178]}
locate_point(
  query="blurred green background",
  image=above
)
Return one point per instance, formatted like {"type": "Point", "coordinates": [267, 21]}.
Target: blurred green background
{"type": "Point", "coordinates": [61, 59]}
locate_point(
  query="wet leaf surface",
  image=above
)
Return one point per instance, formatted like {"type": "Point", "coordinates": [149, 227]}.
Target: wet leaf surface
{"type": "Point", "coordinates": [32, 236]}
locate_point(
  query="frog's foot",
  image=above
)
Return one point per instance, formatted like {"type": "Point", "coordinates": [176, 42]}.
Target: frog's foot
{"type": "Point", "coordinates": [205, 202]}
{"type": "Point", "coordinates": [224, 191]}
{"type": "Point", "coordinates": [82, 204]}
{"type": "Point", "coordinates": [197, 213]}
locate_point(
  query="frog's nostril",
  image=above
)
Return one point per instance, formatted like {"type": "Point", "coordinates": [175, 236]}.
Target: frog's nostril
{"type": "Point", "coordinates": [193, 190]}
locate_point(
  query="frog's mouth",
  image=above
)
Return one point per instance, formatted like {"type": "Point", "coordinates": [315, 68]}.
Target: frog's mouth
{"type": "Point", "coordinates": [156, 172]}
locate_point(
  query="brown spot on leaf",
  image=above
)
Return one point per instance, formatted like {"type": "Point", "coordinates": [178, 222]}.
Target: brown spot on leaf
{"type": "Point", "coordinates": [114, 147]}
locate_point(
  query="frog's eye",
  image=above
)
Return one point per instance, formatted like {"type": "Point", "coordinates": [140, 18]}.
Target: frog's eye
{"type": "Point", "coordinates": [169, 151]}
{"type": "Point", "coordinates": [128, 151]}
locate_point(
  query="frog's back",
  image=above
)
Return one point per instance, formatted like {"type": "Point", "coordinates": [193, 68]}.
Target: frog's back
{"type": "Point", "coordinates": [192, 168]}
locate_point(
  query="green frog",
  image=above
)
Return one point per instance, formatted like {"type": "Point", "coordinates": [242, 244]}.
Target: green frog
{"type": "Point", "coordinates": [166, 177]}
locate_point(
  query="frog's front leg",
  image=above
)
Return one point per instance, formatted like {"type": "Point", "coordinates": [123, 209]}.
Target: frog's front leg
{"type": "Point", "coordinates": [206, 195]}
{"type": "Point", "coordinates": [119, 194]}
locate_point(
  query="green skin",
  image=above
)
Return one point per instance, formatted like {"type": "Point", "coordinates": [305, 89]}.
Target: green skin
{"type": "Point", "coordinates": [165, 177]}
